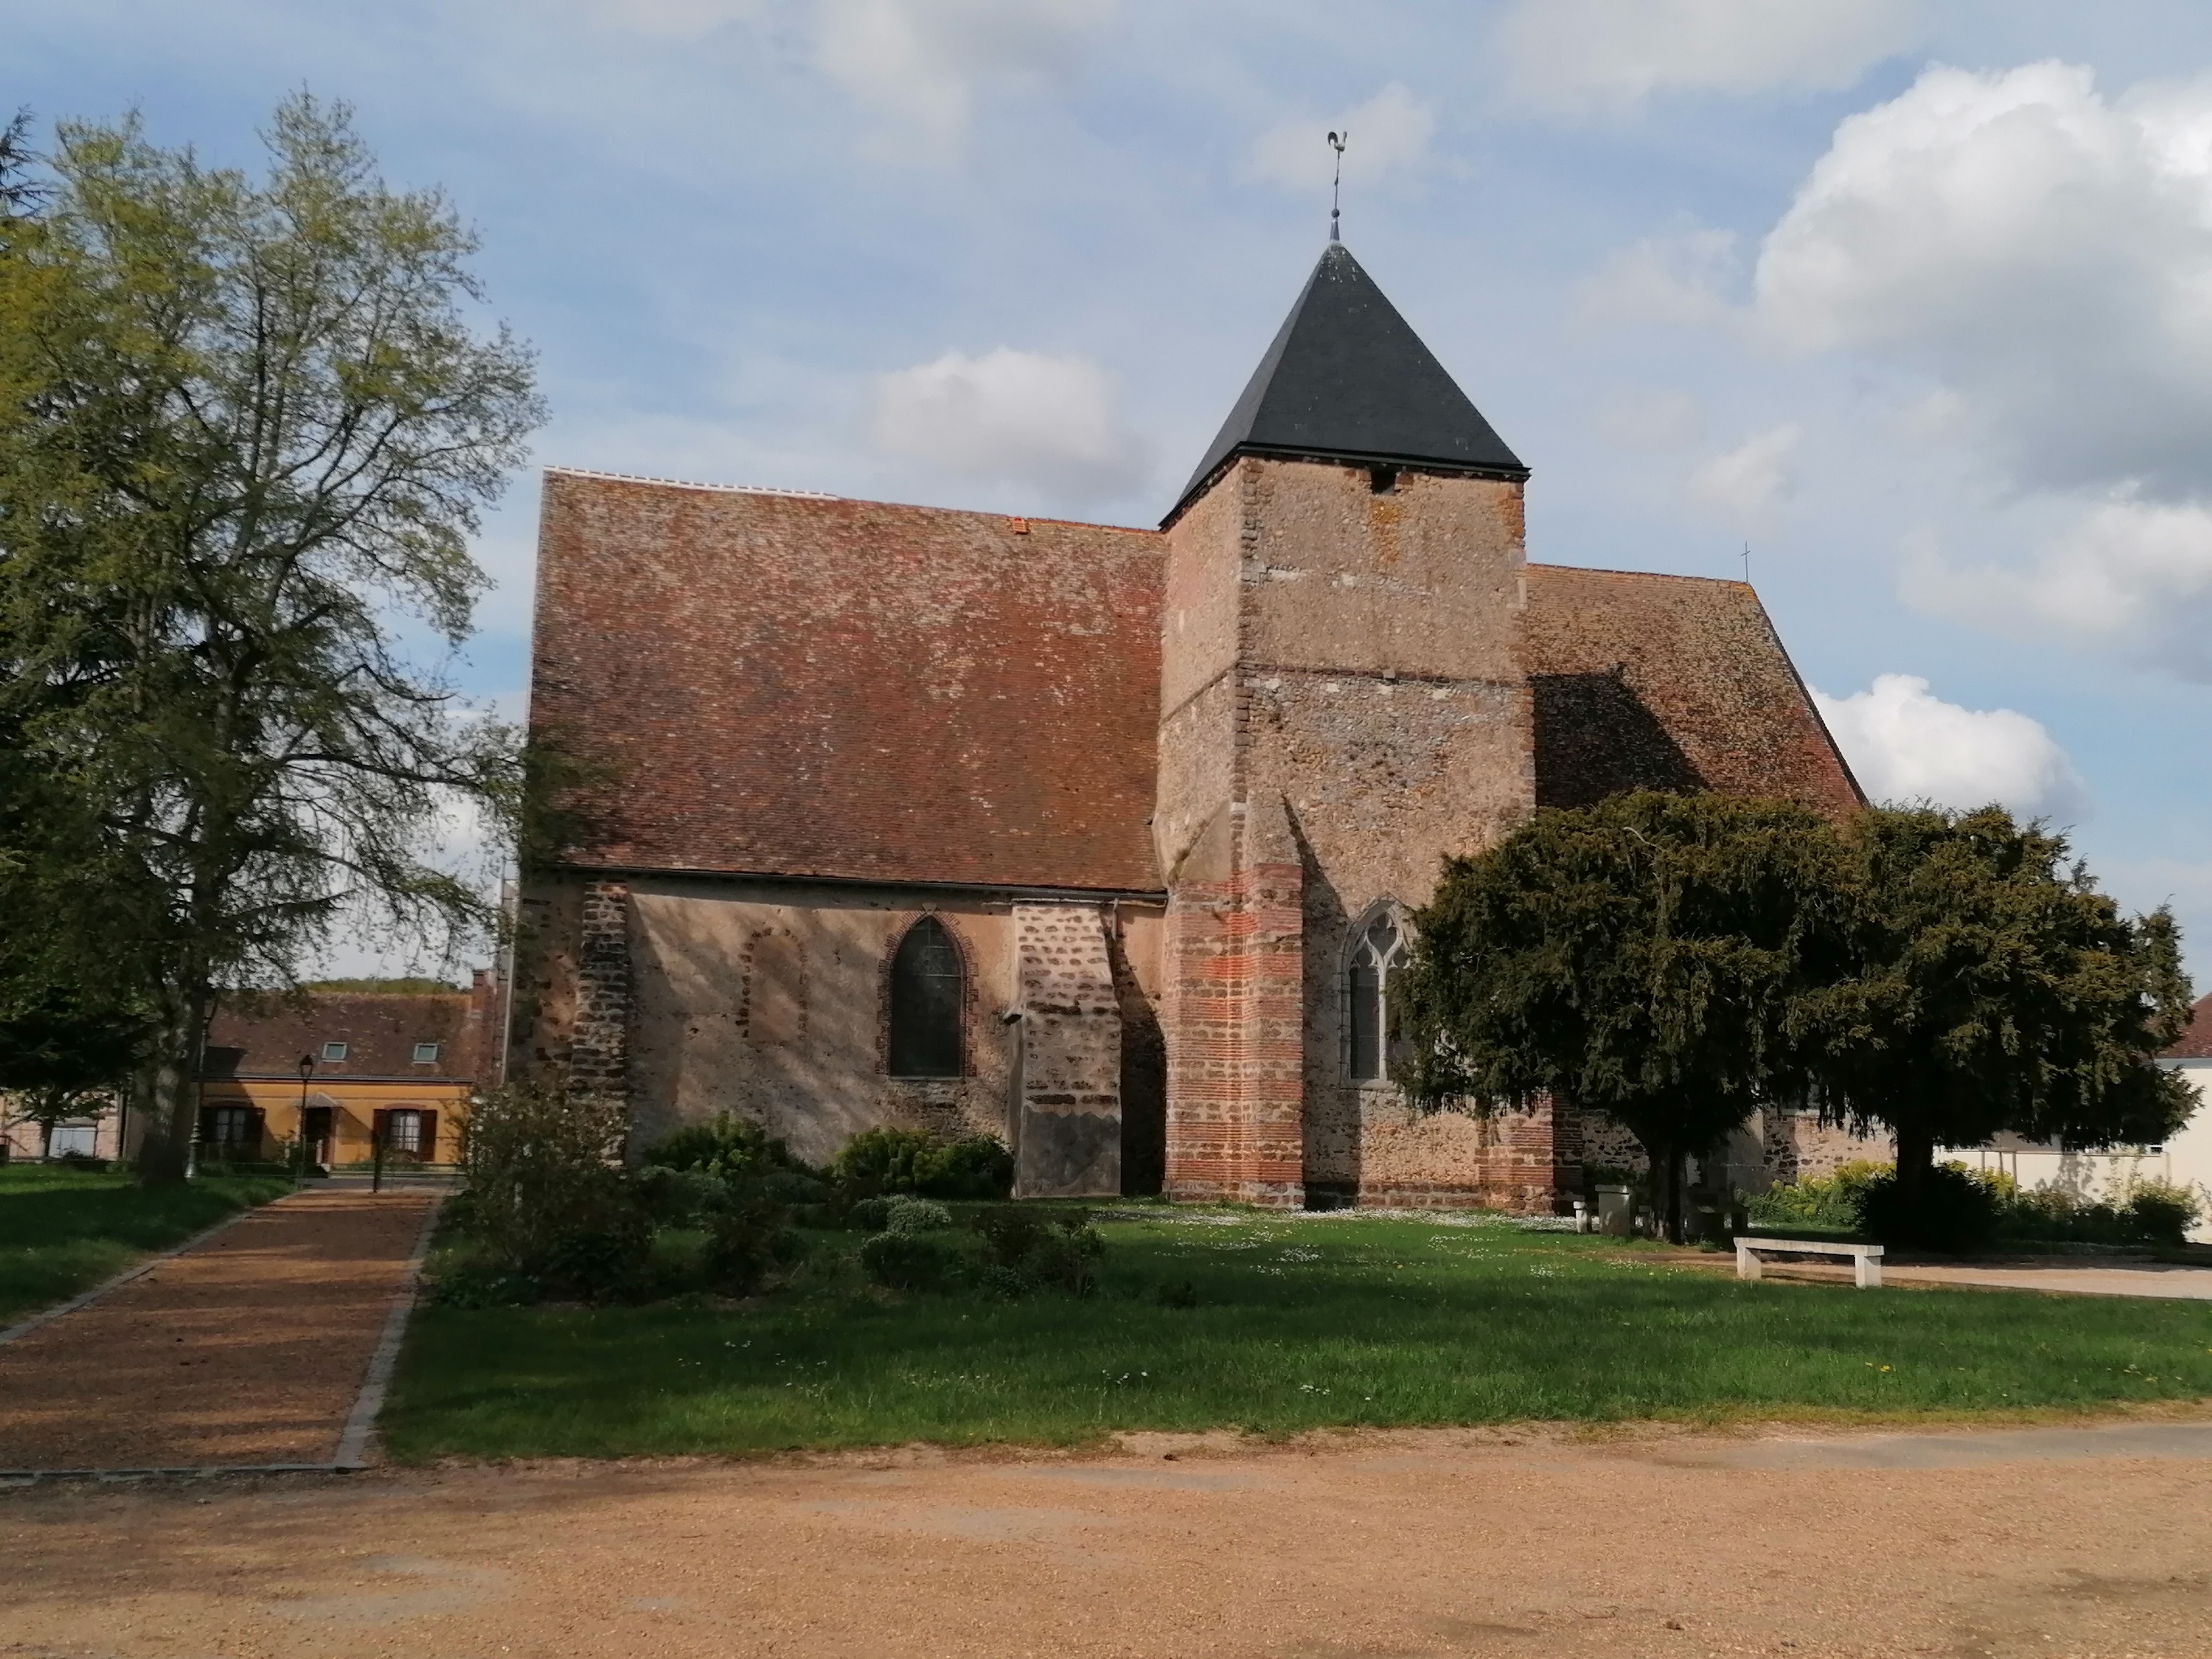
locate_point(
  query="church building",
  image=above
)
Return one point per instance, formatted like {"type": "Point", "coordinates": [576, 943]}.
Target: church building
{"type": "Point", "coordinates": [1102, 841]}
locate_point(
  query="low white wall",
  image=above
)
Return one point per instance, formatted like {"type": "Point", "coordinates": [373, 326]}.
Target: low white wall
{"type": "Point", "coordinates": [2185, 1159]}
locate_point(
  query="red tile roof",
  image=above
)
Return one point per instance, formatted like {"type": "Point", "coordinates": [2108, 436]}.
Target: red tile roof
{"type": "Point", "coordinates": [264, 1038]}
{"type": "Point", "coordinates": [777, 683]}
{"type": "Point", "coordinates": [1671, 683]}
{"type": "Point", "coordinates": [2196, 1042]}
{"type": "Point", "coordinates": [796, 686]}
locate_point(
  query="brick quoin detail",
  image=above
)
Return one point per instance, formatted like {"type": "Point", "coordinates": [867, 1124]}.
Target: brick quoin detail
{"type": "Point", "coordinates": [599, 1054]}
{"type": "Point", "coordinates": [1236, 1047]}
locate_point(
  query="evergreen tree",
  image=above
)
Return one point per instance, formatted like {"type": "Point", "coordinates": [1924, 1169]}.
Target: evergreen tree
{"type": "Point", "coordinates": [1644, 957]}
{"type": "Point", "coordinates": [1989, 987]}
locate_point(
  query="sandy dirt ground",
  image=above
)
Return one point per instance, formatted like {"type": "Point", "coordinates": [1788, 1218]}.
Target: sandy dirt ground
{"type": "Point", "coordinates": [1369, 1546]}
{"type": "Point", "coordinates": [249, 1349]}
{"type": "Point", "coordinates": [2061, 1275]}
{"type": "Point", "coordinates": [2152, 1278]}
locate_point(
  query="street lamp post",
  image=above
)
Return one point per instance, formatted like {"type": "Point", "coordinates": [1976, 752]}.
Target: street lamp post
{"type": "Point", "coordinates": [300, 1134]}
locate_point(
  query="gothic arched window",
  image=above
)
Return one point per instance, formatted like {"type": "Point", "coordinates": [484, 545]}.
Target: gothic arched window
{"type": "Point", "coordinates": [1377, 953]}
{"type": "Point", "coordinates": [928, 987]}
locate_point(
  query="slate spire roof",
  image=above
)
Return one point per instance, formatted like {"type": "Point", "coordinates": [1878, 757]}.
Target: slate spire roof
{"type": "Point", "coordinates": [1347, 379]}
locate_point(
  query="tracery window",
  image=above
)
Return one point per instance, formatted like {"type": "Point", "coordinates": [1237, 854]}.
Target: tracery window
{"type": "Point", "coordinates": [1377, 954]}
{"type": "Point", "coordinates": [928, 992]}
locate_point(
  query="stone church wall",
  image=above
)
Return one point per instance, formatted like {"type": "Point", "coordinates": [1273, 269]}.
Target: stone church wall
{"type": "Point", "coordinates": [770, 1001]}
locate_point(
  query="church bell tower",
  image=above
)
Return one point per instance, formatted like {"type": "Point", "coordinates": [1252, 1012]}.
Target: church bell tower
{"type": "Point", "coordinates": [1341, 706]}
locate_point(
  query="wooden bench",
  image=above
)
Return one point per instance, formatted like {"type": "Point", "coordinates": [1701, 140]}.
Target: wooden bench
{"type": "Point", "coordinates": [1866, 1259]}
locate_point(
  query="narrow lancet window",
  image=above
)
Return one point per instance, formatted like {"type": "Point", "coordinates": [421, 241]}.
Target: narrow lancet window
{"type": "Point", "coordinates": [927, 991]}
{"type": "Point", "coordinates": [1376, 956]}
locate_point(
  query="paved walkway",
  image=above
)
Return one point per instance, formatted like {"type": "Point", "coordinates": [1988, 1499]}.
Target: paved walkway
{"type": "Point", "coordinates": [1397, 1546]}
{"type": "Point", "coordinates": [2065, 1275]}
{"type": "Point", "coordinates": [251, 1348]}
{"type": "Point", "coordinates": [2070, 1275]}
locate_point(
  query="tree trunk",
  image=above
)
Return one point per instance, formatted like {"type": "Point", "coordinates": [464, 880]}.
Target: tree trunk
{"type": "Point", "coordinates": [1676, 1158]}
{"type": "Point", "coordinates": [1915, 1156]}
{"type": "Point", "coordinates": [175, 1116]}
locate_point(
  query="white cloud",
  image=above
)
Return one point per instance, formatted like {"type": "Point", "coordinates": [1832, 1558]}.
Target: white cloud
{"type": "Point", "coordinates": [1748, 484]}
{"type": "Point", "coordinates": [2042, 252]}
{"type": "Point", "coordinates": [1679, 277]}
{"type": "Point", "coordinates": [1606, 56]}
{"type": "Point", "coordinates": [1389, 133]}
{"type": "Point", "coordinates": [2130, 577]}
{"type": "Point", "coordinates": [922, 62]}
{"type": "Point", "coordinates": [1052, 424]}
{"type": "Point", "coordinates": [1907, 744]}
{"type": "Point", "coordinates": [1649, 417]}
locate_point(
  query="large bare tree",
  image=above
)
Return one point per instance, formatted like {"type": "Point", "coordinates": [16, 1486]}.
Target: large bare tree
{"type": "Point", "coordinates": [247, 428]}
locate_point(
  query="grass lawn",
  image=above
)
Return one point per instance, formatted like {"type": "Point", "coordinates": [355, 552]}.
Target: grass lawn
{"type": "Point", "coordinates": [1298, 1325]}
{"type": "Point", "coordinates": [63, 1230]}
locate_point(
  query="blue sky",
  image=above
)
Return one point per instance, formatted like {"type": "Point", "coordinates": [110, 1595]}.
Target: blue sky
{"type": "Point", "coordinates": [1914, 297]}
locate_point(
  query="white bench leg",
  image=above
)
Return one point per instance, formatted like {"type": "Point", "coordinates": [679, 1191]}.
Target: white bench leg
{"type": "Point", "coordinates": [1747, 1262]}
{"type": "Point", "coordinates": [1869, 1274]}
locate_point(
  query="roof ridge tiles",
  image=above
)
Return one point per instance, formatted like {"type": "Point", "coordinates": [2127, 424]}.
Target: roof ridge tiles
{"type": "Point", "coordinates": [1655, 575]}
{"type": "Point", "coordinates": [694, 483]}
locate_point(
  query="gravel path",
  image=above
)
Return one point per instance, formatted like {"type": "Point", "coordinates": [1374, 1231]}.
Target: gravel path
{"type": "Point", "coordinates": [2074, 1278]}
{"type": "Point", "coordinates": [1367, 1546]}
{"type": "Point", "coordinates": [248, 1349]}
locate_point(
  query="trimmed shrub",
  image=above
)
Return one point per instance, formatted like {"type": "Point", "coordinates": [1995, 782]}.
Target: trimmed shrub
{"type": "Point", "coordinates": [870, 1215]}
{"type": "Point", "coordinates": [747, 1242]}
{"type": "Point", "coordinates": [975, 1167]}
{"type": "Point", "coordinates": [880, 1162]}
{"type": "Point", "coordinates": [1956, 1214]}
{"type": "Point", "coordinates": [680, 1197]}
{"type": "Point", "coordinates": [908, 1216]}
{"type": "Point", "coordinates": [602, 1265]}
{"type": "Point", "coordinates": [730, 1147]}
{"type": "Point", "coordinates": [2161, 1210]}
{"type": "Point", "coordinates": [1041, 1249]}
{"type": "Point", "coordinates": [908, 1261]}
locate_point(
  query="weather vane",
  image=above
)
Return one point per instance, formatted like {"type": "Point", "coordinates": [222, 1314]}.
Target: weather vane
{"type": "Point", "coordinates": [1336, 184]}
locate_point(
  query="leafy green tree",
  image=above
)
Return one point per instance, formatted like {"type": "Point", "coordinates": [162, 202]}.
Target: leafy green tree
{"type": "Point", "coordinates": [246, 429]}
{"type": "Point", "coordinates": [1644, 958]}
{"type": "Point", "coordinates": [1989, 987]}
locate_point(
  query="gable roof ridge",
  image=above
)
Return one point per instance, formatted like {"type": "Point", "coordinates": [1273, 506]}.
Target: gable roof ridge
{"type": "Point", "coordinates": [1657, 575]}
{"type": "Point", "coordinates": [692, 483]}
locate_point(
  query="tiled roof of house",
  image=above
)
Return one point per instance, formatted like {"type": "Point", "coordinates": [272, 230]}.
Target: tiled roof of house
{"type": "Point", "coordinates": [1346, 378]}
{"type": "Point", "coordinates": [2196, 1042]}
{"type": "Point", "coordinates": [265, 1037]}
{"type": "Point", "coordinates": [760, 682]}
{"type": "Point", "coordinates": [1670, 683]}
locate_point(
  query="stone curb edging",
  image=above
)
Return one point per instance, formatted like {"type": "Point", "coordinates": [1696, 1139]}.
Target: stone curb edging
{"type": "Point", "coordinates": [361, 1423]}
{"type": "Point", "coordinates": [181, 1472]}
{"type": "Point", "coordinates": [85, 1299]}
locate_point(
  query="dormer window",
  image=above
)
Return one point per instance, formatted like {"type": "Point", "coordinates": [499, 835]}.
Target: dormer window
{"type": "Point", "coordinates": [426, 1053]}
{"type": "Point", "coordinates": [334, 1051]}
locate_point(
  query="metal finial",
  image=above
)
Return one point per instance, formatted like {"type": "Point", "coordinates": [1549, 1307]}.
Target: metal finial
{"type": "Point", "coordinates": [1336, 186]}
